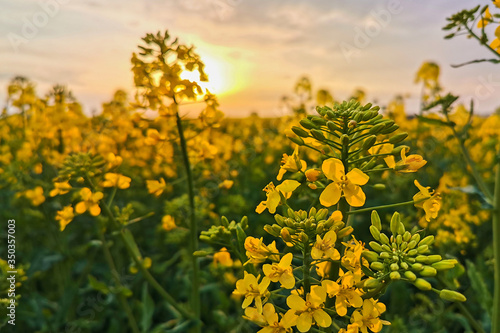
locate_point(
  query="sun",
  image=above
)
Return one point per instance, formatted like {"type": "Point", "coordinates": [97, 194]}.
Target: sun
{"type": "Point", "coordinates": [219, 80]}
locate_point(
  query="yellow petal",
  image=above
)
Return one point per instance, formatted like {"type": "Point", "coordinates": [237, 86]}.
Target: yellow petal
{"type": "Point", "coordinates": [322, 318]}
{"type": "Point", "coordinates": [333, 169]}
{"type": "Point", "coordinates": [287, 280]}
{"type": "Point", "coordinates": [288, 186]}
{"type": "Point", "coordinates": [330, 195]}
{"type": "Point", "coordinates": [304, 322]}
{"type": "Point", "coordinates": [354, 195]}
{"type": "Point", "coordinates": [273, 201]}
{"type": "Point", "coordinates": [80, 207]}
{"type": "Point", "coordinates": [357, 177]}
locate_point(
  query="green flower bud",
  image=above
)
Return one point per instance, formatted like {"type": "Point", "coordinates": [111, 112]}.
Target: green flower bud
{"type": "Point", "coordinates": [404, 265]}
{"type": "Point", "coordinates": [406, 236]}
{"type": "Point", "coordinates": [398, 138]}
{"type": "Point", "coordinates": [399, 239]}
{"type": "Point", "coordinates": [269, 229]}
{"type": "Point", "coordinates": [416, 238]}
{"type": "Point", "coordinates": [433, 258]}
{"type": "Point", "coordinates": [427, 240]}
{"type": "Point", "coordinates": [279, 219]}
{"type": "Point", "coordinates": [379, 187]}
{"type": "Point", "coordinates": [428, 271]}
{"type": "Point", "coordinates": [384, 239]}
{"type": "Point", "coordinates": [300, 132]}
{"type": "Point", "coordinates": [312, 212]}
{"type": "Point", "coordinates": [444, 264]}
{"type": "Point", "coordinates": [417, 267]}
{"type": "Point", "coordinates": [423, 249]}
{"type": "Point", "coordinates": [285, 235]}
{"type": "Point", "coordinates": [375, 232]}
{"type": "Point", "coordinates": [370, 256]}
{"type": "Point", "coordinates": [413, 252]}
{"type": "Point", "coordinates": [385, 255]}
{"type": "Point", "coordinates": [390, 129]}
{"type": "Point", "coordinates": [395, 223]}
{"type": "Point", "coordinates": [225, 221]}
{"type": "Point", "coordinates": [244, 222]}
{"type": "Point", "coordinates": [377, 128]}
{"type": "Point", "coordinates": [412, 244]}
{"type": "Point", "coordinates": [421, 259]}
{"type": "Point", "coordinates": [345, 232]}
{"type": "Point", "coordinates": [377, 266]}
{"type": "Point", "coordinates": [422, 284]}
{"type": "Point", "coordinates": [452, 296]}
{"type": "Point", "coordinates": [317, 134]}
{"type": "Point", "coordinates": [410, 275]}
{"type": "Point", "coordinates": [394, 267]}
{"type": "Point", "coordinates": [386, 247]}
{"type": "Point", "coordinates": [344, 139]}
{"type": "Point", "coordinates": [321, 214]}
{"type": "Point", "coordinates": [403, 246]}
{"type": "Point", "coordinates": [332, 127]}
{"type": "Point", "coordinates": [395, 276]}
{"type": "Point", "coordinates": [371, 283]}
{"type": "Point", "coordinates": [397, 150]}
{"type": "Point", "coordinates": [303, 237]}
{"type": "Point", "coordinates": [296, 140]}
{"type": "Point", "coordinates": [376, 220]}
{"type": "Point", "coordinates": [277, 229]}
{"type": "Point", "coordinates": [319, 121]}
{"type": "Point", "coordinates": [306, 123]}
{"type": "Point", "coordinates": [369, 142]}
{"type": "Point", "coordinates": [320, 228]}
{"type": "Point", "coordinates": [401, 228]}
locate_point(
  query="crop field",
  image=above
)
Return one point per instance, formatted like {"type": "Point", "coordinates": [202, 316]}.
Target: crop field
{"type": "Point", "coordinates": [161, 213]}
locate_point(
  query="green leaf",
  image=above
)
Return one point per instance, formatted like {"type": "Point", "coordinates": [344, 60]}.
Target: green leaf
{"type": "Point", "coordinates": [434, 121]}
{"type": "Point", "coordinates": [481, 291]}
{"type": "Point", "coordinates": [97, 285]}
{"type": "Point", "coordinates": [148, 307]}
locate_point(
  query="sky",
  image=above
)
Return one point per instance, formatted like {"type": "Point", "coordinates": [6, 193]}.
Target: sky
{"type": "Point", "coordinates": [255, 50]}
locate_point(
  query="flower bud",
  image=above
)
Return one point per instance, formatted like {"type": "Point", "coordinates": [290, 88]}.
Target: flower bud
{"type": "Point", "coordinates": [277, 229]}
{"type": "Point", "coordinates": [428, 271]}
{"type": "Point", "coordinates": [376, 246]}
{"type": "Point", "coordinates": [452, 296]}
{"type": "Point", "coordinates": [421, 259]}
{"type": "Point", "coordinates": [417, 266]}
{"type": "Point", "coordinates": [317, 134]}
{"type": "Point", "coordinates": [296, 140]}
{"type": "Point", "coordinates": [398, 138]}
{"type": "Point", "coordinates": [300, 132]}
{"type": "Point", "coordinates": [225, 221]}
{"type": "Point", "coordinates": [345, 232]}
{"type": "Point", "coordinates": [375, 232]}
{"type": "Point", "coordinates": [376, 220]}
{"type": "Point", "coordinates": [410, 275]}
{"type": "Point", "coordinates": [427, 240]}
{"type": "Point", "coordinates": [395, 276]}
{"type": "Point", "coordinates": [384, 239]}
{"type": "Point", "coordinates": [331, 126]}
{"type": "Point", "coordinates": [344, 139]}
{"type": "Point", "coordinates": [422, 284]}
{"type": "Point", "coordinates": [385, 255]}
{"type": "Point", "coordinates": [399, 239]}
{"type": "Point", "coordinates": [285, 234]}
{"type": "Point", "coordinates": [321, 214]}
{"type": "Point", "coordinates": [379, 187]}
{"type": "Point", "coordinates": [433, 258]}
{"type": "Point", "coordinates": [369, 142]}
{"type": "Point", "coordinates": [306, 123]}
{"type": "Point", "coordinates": [377, 266]}
{"type": "Point", "coordinates": [371, 283]}
{"type": "Point", "coordinates": [412, 244]}
{"type": "Point", "coordinates": [269, 229]}
{"type": "Point", "coordinates": [423, 249]}
{"type": "Point", "coordinates": [394, 267]}
{"type": "Point", "coordinates": [395, 223]}
{"type": "Point", "coordinates": [444, 264]}
{"type": "Point", "coordinates": [413, 252]}
{"type": "Point", "coordinates": [370, 256]}
{"type": "Point", "coordinates": [404, 265]}
{"type": "Point", "coordinates": [406, 236]}
{"type": "Point", "coordinates": [279, 219]}
{"type": "Point", "coordinates": [354, 123]}
{"type": "Point", "coordinates": [303, 237]}
{"type": "Point", "coordinates": [377, 128]}
{"type": "Point", "coordinates": [416, 238]}
{"type": "Point", "coordinates": [320, 228]}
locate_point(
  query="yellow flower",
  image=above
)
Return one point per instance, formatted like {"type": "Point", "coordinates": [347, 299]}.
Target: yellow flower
{"type": "Point", "coordinates": [429, 201]}
{"type": "Point", "coordinates": [35, 195]}
{"type": "Point", "coordinates": [291, 163]}
{"type": "Point", "coordinates": [349, 184]}
{"type": "Point", "coordinates": [113, 160]}
{"type": "Point", "coordinates": [60, 188]}
{"type": "Point", "coordinates": [250, 287]}
{"type": "Point", "coordinates": [310, 310]}
{"type": "Point", "coordinates": [497, 3]}
{"type": "Point", "coordinates": [258, 252]}
{"type": "Point", "coordinates": [155, 187]}
{"type": "Point", "coordinates": [281, 271]}
{"type": "Point", "coordinates": [227, 184]}
{"type": "Point", "coordinates": [325, 247]}
{"type": "Point", "coordinates": [168, 223]}
{"type": "Point", "coordinates": [385, 148]}
{"type": "Point", "coordinates": [65, 216]}
{"type": "Point", "coordinates": [368, 317]}
{"type": "Point", "coordinates": [223, 258]}
{"type": "Point", "coordinates": [273, 195]}
{"type": "Point", "coordinates": [38, 169]}
{"type": "Point", "coordinates": [153, 137]}
{"type": "Point", "coordinates": [351, 328]}
{"type": "Point", "coordinates": [273, 324]}
{"type": "Point", "coordinates": [90, 202]}
{"type": "Point", "coordinates": [346, 296]}
{"type": "Point", "coordinates": [116, 180]}
{"type": "Point", "coordinates": [486, 19]}
{"type": "Point", "coordinates": [407, 164]}
{"type": "Point", "coordinates": [312, 175]}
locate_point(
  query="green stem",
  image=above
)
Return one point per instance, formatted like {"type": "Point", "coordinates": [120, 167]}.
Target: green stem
{"type": "Point", "coordinates": [116, 278]}
{"type": "Point", "coordinates": [193, 239]}
{"type": "Point", "coordinates": [306, 268]}
{"type": "Point", "coordinates": [496, 252]}
{"type": "Point", "coordinates": [369, 209]}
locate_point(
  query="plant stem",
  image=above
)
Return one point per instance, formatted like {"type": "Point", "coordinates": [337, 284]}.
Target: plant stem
{"type": "Point", "coordinates": [193, 239]}
{"type": "Point", "coordinates": [496, 252]}
{"type": "Point", "coordinates": [116, 278]}
{"type": "Point", "coordinates": [369, 209]}
{"type": "Point", "coordinates": [306, 267]}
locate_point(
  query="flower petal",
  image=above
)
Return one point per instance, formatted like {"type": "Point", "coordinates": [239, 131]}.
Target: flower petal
{"type": "Point", "coordinates": [333, 169]}
{"type": "Point", "coordinates": [357, 177]}
{"type": "Point", "coordinates": [330, 195]}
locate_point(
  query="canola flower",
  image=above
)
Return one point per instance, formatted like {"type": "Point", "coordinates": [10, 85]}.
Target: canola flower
{"type": "Point", "coordinates": [90, 202]}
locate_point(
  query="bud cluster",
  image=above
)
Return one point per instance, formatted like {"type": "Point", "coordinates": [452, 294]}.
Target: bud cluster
{"type": "Point", "coordinates": [81, 165]}
{"type": "Point", "coordinates": [299, 227]}
{"type": "Point", "coordinates": [403, 256]}
{"type": "Point", "coordinates": [349, 129]}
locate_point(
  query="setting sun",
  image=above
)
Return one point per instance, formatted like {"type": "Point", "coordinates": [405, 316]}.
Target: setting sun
{"type": "Point", "coordinates": [219, 80]}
